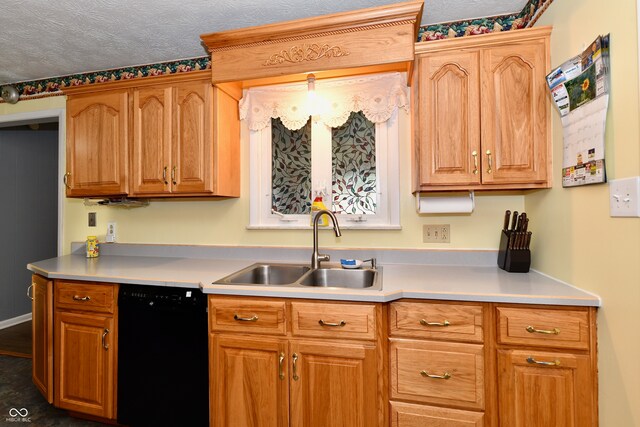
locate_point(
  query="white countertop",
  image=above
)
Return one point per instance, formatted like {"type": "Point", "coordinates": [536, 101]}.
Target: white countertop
{"type": "Point", "coordinates": [442, 282]}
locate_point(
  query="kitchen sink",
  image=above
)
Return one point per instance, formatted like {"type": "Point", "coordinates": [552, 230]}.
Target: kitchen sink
{"type": "Point", "coordinates": [338, 278]}
{"type": "Point", "coordinates": [267, 274]}
{"type": "Point", "coordinates": [301, 275]}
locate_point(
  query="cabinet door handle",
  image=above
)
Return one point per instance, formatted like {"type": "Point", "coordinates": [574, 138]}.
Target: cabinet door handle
{"type": "Point", "coordinates": [490, 169]}
{"type": "Point", "coordinates": [295, 367]}
{"type": "Point", "coordinates": [554, 331]}
{"type": "Point", "coordinates": [29, 295]}
{"type": "Point", "coordinates": [533, 361]}
{"type": "Point", "coordinates": [474, 153]}
{"type": "Point", "coordinates": [104, 339]}
{"type": "Point", "coordinates": [164, 175]}
{"type": "Point", "coordinates": [79, 298]}
{"type": "Point", "coordinates": [281, 366]}
{"type": "Point", "coordinates": [253, 318]}
{"type": "Point", "coordinates": [423, 322]}
{"type": "Point", "coordinates": [65, 179]}
{"type": "Point", "coordinates": [173, 175]}
{"type": "Point", "coordinates": [340, 324]}
{"type": "Point", "coordinates": [444, 376]}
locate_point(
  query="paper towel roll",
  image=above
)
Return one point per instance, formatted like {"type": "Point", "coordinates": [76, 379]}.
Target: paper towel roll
{"type": "Point", "coordinates": [445, 204]}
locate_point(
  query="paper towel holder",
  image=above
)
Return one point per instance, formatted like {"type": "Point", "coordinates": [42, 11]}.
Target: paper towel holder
{"type": "Point", "coordinates": [441, 204]}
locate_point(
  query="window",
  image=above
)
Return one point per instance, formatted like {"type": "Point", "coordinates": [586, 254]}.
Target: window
{"type": "Point", "coordinates": [352, 162]}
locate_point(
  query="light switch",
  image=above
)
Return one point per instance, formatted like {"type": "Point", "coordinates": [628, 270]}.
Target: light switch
{"type": "Point", "coordinates": [624, 197]}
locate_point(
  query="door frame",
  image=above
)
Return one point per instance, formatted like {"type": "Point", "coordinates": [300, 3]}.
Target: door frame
{"type": "Point", "coordinates": [41, 116]}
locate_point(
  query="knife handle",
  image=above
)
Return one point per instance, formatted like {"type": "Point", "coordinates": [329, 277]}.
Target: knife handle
{"type": "Point", "coordinates": [525, 226]}
{"type": "Point", "coordinates": [507, 217]}
{"type": "Point", "coordinates": [514, 220]}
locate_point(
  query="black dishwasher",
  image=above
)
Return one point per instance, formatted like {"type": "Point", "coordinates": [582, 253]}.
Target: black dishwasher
{"type": "Point", "coordinates": [163, 375]}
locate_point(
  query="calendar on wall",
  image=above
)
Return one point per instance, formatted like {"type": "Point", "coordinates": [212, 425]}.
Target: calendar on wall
{"type": "Point", "coordinates": [580, 90]}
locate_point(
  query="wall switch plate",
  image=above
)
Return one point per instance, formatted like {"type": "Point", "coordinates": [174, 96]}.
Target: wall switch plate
{"type": "Point", "coordinates": [436, 233]}
{"type": "Point", "coordinates": [92, 219]}
{"type": "Point", "coordinates": [624, 197]}
{"type": "Point", "coordinates": [111, 232]}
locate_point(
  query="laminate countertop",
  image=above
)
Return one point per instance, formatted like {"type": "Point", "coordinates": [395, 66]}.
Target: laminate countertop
{"type": "Point", "coordinates": [481, 283]}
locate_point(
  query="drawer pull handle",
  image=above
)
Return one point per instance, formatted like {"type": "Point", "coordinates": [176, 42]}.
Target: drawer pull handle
{"type": "Point", "coordinates": [78, 298]}
{"type": "Point", "coordinates": [29, 294]}
{"type": "Point", "coordinates": [253, 318]}
{"type": "Point", "coordinates": [280, 366]}
{"type": "Point", "coordinates": [295, 367]}
{"type": "Point", "coordinates": [444, 376]}
{"type": "Point", "coordinates": [554, 331]}
{"type": "Point", "coordinates": [423, 322]}
{"type": "Point", "coordinates": [323, 323]}
{"type": "Point", "coordinates": [531, 360]}
{"type": "Point", "coordinates": [104, 341]}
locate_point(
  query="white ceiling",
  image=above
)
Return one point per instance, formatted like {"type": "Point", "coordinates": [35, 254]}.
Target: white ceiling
{"type": "Point", "coordinates": [40, 39]}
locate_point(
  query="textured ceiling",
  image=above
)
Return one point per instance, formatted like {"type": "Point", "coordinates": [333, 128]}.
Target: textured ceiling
{"type": "Point", "coordinates": [41, 39]}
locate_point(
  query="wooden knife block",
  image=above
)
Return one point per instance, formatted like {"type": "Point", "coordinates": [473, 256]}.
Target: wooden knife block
{"type": "Point", "coordinates": [512, 260]}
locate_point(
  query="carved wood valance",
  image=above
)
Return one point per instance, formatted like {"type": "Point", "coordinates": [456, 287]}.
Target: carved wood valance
{"type": "Point", "coordinates": [362, 38]}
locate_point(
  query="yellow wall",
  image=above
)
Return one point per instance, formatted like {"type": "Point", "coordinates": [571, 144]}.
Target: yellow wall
{"type": "Point", "coordinates": [579, 242]}
{"type": "Point", "coordinates": [223, 222]}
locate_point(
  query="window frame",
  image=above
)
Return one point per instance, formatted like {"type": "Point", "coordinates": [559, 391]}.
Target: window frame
{"type": "Point", "coordinates": [387, 215]}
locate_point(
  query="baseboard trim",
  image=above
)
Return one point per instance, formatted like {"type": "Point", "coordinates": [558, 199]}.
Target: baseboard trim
{"type": "Point", "coordinates": [15, 321]}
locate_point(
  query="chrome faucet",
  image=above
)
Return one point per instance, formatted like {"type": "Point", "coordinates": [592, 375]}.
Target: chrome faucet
{"type": "Point", "coordinates": [316, 258]}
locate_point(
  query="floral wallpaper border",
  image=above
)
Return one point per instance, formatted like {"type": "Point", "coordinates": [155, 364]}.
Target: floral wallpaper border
{"type": "Point", "coordinates": [526, 18]}
{"type": "Point", "coordinates": [53, 86]}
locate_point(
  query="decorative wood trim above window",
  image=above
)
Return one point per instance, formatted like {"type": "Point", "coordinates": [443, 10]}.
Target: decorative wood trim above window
{"type": "Point", "coordinates": [361, 38]}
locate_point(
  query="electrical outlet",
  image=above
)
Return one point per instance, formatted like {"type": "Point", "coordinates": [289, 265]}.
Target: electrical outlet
{"type": "Point", "coordinates": [92, 219]}
{"type": "Point", "coordinates": [436, 233]}
{"type": "Point", "coordinates": [624, 197]}
{"type": "Point", "coordinates": [111, 232]}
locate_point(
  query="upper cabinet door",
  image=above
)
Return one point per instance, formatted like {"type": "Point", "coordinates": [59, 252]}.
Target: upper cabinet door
{"type": "Point", "coordinates": [516, 113]}
{"type": "Point", "coordinates": [97, 131]}
{"type": "Point", "coordinates": [152, 134]}
{"type": "Point", "coordinates": [191, 171]}
{"type": "Point", "coordinates": [449, 118]}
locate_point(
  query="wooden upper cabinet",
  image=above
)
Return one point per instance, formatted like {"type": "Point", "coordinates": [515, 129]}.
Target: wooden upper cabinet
{"type": "Point", "coordinates": [181, 134]}
{"type": "Point", "coordinates": [97, 132]}
{"type": "Point", "coordinates": [151, 154]}
{"type": "Point", "coordinates": [449, 117]}
{"type": "Point", "coordinates": [515, 120]}
{"type": "Point", "coordinates": [193, 139]}
{"type": "Point", "coordinates": [482, 116]}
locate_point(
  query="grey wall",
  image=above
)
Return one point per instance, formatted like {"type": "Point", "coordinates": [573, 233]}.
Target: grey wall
{"type": "Point", "coordinates": [28, 211]}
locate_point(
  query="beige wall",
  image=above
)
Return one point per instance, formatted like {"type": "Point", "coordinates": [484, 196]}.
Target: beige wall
{"type": "Point", "coordinates": [579, 242]}
{"type": "Point", "coordinates": [223, 222]}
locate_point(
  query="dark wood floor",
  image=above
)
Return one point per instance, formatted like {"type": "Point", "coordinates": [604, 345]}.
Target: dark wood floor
{"type": "Point", "coordinates": [16, 340]}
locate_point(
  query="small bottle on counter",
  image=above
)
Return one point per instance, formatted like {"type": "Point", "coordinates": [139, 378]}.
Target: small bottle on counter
{"type": "Point", "coordinates": [93, 248]}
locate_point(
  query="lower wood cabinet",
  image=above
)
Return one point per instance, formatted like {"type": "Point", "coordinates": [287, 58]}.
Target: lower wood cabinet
{"type": "Point", "coordinates": [547, 366]}
{"type": "Point", "coordinates": [410, 415]}
{"type": "Point", "coordinates": [42, 335]}
{"type": "Point", "coordinates": [85, 347]}
{"type": "Point", "coordinates": [263, 375]}
{"type": "Point", "coordinates": [85, 355]}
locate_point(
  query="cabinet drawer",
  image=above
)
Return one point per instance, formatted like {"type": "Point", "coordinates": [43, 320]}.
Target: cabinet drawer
{"type": "Point", "coordinates": [543, 328]}
{"type": "Point", "coordinates": [410, 415]}
{"type": "Point", "coordinates": [85, 296]}
{"type": "Point", "coordinates": [247, 315]}
{"type": "Point", "coordinates": [352, 321]}
{"type": "Point", "coordinates": [437, 373]}
{"type": "Point", "coordinates": [436, 321]}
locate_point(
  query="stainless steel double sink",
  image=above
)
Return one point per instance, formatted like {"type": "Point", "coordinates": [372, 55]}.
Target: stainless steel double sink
{"type": "Point", "coordinates": [301, 275]}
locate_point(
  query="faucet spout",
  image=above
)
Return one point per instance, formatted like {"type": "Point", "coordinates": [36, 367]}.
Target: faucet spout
{"type": "Point", "coordinates": [317, 258]}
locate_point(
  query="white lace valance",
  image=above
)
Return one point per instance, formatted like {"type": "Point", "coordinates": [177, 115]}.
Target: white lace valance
{"type": "Point", "coordinates": [377, 96]}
